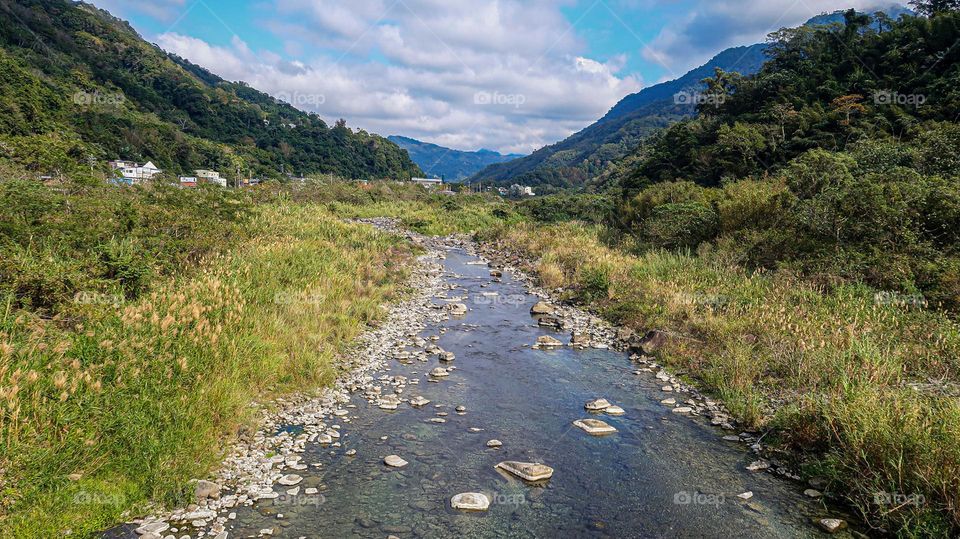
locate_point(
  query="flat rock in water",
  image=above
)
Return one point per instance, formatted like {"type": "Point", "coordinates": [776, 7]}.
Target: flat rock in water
{"type": "Point", "coordinates": [290, 479]}
{"type": "Point", "coordinates": [470, 501]}
{"type": "Point", "coordinates": [494, 443]}
{"type": "Point", "coordinates": [597, 405]}
{"type": "Point", "coordinates": [542, 307]}
{"type": "Point", "coordinates": [531, 471]}
{"type": "Point", "coordinates": [595, 427]}
{"type": "Point", "coordinates": [615, 410]}
{"type": "Point", "coordinates": [447, 356]}
{"type": "Point", "coordinates": [395, 462]}
{"type": "Point", "coordinates": [547, 341]}
{"type": "Point", "coordinates": [419, 401]}
{"type": "Point", "coordinates": [439, 372]}
{"type": "Point", "coordinates": [746, 495]}
{"type": "Point", "coordinates": [682, 410]}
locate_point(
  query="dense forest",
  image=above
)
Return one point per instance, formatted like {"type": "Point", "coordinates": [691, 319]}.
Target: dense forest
{"type": "Point", "coordinates": [838, 160]}
{"type": "Point", "coordinates": [81, 87]}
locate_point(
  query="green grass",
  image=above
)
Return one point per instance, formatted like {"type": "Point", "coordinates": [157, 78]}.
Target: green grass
{"type": "Point", "coordinates": [142, 396]}
{"type": "Point", "coordinates": [838, 360]}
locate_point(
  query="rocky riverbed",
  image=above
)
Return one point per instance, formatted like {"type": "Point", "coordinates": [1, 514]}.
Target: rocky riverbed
{"type": "Point", "coordinates": [454, 409]}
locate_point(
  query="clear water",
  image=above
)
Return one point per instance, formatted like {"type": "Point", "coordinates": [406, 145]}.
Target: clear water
{"type": "Point", "coordinates": [629, 484]}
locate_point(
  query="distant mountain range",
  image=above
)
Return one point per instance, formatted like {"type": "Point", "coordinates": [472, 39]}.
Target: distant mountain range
{"type": "Point", "coordinates": [583, 157]}
{"type": "Point", "coordinates": [449, 164]}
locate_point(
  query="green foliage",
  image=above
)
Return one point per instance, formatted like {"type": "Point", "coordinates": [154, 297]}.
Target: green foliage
{"type": "Point", "coordinates": [77, 74]}
{"type": "Point", "coordinates": [58, 243]}
{"type": "Point", "coordinates": [817, 167]}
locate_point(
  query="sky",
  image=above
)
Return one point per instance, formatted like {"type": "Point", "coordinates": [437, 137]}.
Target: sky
{"type": "Point", "coordinates": [506, 75]}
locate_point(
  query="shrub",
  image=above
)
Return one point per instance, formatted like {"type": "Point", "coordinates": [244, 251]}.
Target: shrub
{"type": "Point", "coordinates": [681, 225]}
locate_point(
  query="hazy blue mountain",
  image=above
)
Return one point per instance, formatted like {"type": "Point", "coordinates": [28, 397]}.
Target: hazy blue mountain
{"type": "Point", "coordinates": [449, 164]}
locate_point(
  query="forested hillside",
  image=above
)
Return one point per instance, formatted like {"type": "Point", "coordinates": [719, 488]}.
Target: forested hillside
{"type": "Point", "coordinates": [838, 159]}
{"type": "Point", "coordinates": [81, 87]}
{"type": "Point", "coordinates": [583, 158]}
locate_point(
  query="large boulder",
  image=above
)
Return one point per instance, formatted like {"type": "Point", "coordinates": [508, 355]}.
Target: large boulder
{"type": "Point", "coordinates": [530, 471]}
{"type": "Point", "coordinates": [542, 308]}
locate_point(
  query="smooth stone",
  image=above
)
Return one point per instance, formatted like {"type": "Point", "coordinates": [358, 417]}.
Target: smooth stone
{"type": "Point", "coordinates": [669, 402]}
{"type": "Point", "coordinates": [832, 525]}
{"type": "Point", "coordinates": [812, 493]}
{"type": "Point", "coordinates": [206, 489]}
{"type": "Point", "coordinates": [494, 443]}
{"type": "Point", "coordinates": [548, 342]}
{"type": "Point", "coordinates": [595, 427]}
{"type": "Point", "coordinates": [614, 410]}
{"type": "Point", "coordinates": [290, 479]}
{"type": "Point", "coordinates": [746, 495]}
{"type": "Point", "coordinates": [758, 466]}
{"type": "Point", "coordinates": [542, 307]}
{"type": "Point", "coordinates": [395, 462]}
{"type": "Point", "coordinates": [470, 501]}
{"type": "Point", "coordinates": [439, 372]}
{"type": "Point", "coordinates": [419, 401]}
{"type": "Point", "coordinates": [682, 410]}
{"type": "Point", "coordinates": [597, 405]}
{"type": "Point", "coordinates": [531, 471]}
{"type": "Point", "coordinates": [351, 452]}
{"type": "Point", "coordinates": [153, 527]}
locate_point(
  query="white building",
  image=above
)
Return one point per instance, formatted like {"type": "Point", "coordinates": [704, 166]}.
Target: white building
{"type": "Point", "coordinates": [521, 190]}
{"type": "Point", "coordinates": [210, 176]}
{"type": "Point", "coordinates": [429, 183]}
{"type": "Point", "coordinates": [134, 173]}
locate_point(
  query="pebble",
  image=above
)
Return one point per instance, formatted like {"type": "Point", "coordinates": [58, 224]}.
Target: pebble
{"type": "Point", "coordinates": [395, 462]}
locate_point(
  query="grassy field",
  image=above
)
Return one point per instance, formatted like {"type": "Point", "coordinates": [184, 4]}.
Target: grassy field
{"type": "Point", "coordinates": [129, 405]}
{"type": "Point", "coordinates": [848, 378]}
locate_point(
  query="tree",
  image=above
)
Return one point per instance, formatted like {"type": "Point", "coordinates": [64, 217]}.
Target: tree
{"type": "Point", "coordinates": [933, 7]}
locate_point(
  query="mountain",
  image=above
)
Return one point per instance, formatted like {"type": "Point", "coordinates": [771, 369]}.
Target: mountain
{"type": "Point", "coordinates": [584, 155]}
{"type": "Point", "coordinates": [452, 165]}
{"type": "Point", "coordinates": [589, 156]}
{"type": "Point", "coordinates": [81, 87]}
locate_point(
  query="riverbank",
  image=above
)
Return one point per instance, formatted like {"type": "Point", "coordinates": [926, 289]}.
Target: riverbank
{"type": "Point", "coordinates": [854, 392]}
{"type": "Point", "coordinates": [116, 416]}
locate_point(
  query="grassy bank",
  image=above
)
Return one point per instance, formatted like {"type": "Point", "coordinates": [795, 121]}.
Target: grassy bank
{"type": "Point", "coordinates": [849, 378]}
{"type": "Point", "coordinates": [113, 398]}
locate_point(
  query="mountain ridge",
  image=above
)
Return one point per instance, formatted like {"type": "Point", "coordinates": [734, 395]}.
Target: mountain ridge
{"type": "Point", "coordinates": [450, 164]}
{"type": "Point", "coordinates": [83, 86]}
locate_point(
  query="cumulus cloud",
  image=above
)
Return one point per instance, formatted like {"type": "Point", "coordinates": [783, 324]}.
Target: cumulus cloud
{"type": "Point", "coordinates": [712, 26]}
{"type": "Point", "coordinates": [506, 75]}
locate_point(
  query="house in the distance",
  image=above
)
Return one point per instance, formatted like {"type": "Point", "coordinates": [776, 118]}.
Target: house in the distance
{"type": "Point", "coordinates": [188, 181]}
{"type": "Point", "coordinates": [132, 173]}
{"type": "Point", "coordinates": [210, 176]}
{"type": "Point", "coordinates": [517, 190]}
{"type": "Point", "coordinates": [429, 183]}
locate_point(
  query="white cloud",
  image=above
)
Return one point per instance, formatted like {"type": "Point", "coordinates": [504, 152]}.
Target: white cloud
{"type": "Point", "coordinates": [712, 26]}
{"type": "Point", "coordinates": [506, 75]}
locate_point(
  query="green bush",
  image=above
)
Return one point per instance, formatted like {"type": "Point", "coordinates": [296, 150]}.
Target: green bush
{"type": "Point", "coordinates": [681, 225]}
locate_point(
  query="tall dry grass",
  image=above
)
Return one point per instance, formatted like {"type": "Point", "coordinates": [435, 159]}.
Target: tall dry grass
{"type": "Point", "coordinates": [854, 381]}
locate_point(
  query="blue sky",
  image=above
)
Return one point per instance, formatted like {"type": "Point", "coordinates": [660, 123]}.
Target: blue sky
{"type": "Point", "coordinates": [509, 75]}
